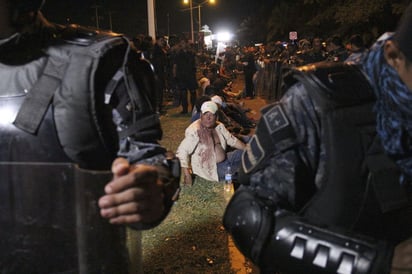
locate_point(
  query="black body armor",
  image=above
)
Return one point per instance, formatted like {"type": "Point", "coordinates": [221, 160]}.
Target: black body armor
{"type": "Point", "coordinates": [359, 212]}
{"type": "Point", "coordinates": [58, 140]}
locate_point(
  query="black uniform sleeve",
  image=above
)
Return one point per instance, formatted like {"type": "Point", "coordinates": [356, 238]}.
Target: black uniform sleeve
{"type": "Point", "coordinates": [284, 158]}
{"type": "Point", "coordinates": [131, 94]}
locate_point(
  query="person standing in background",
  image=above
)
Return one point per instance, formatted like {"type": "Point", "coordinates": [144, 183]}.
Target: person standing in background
{"type": "Point", "coordinates": [184, 74]}
{"type": "Point", "coordinates": [249, 70]}
{"type": "Point", "coordinates": [159, 61]}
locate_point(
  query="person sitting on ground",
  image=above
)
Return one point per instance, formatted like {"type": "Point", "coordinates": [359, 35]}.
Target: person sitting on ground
{"type": "Point", "coordinates": [218, 84]}
{"type": "Point", "coordinates": [204, 81]}
{"type": "Point", "coordinates": [234, 127]}
{"type": "Point", "coordinates": [204, 150]}
{"type": "Point", "coordinates": [196, 110]}
{"type": "Point", "coordinates": [235, 112]}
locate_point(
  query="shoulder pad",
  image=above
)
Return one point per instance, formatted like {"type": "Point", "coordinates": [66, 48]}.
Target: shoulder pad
{"type": "Point", "coordinates": [342, 83]}
{"type": "Point", "coordinates": [274, 133]}
{"type": "Point", "coordinates": [84, 36]}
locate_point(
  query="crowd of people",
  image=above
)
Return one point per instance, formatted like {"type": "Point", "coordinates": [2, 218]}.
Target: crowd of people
{"type": "Point", "coordinates": [184, 70]}
{"type": "Point", "coordinates": [203, 73]}
{"type": "Point", "coordinates": [312, 50]}
{"type": "Point", "coordinates": [187, 73]}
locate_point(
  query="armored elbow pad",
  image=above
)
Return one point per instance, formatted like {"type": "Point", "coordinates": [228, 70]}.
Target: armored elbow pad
{"type": "Point", "coordinates": [298, 246]}
{"type": "Point", "coordinates": [283, 241]}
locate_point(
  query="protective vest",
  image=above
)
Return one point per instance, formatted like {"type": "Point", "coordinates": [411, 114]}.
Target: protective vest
{"type": "Point", "coordinates": [72, 94]}
{"type": "Point", "coordinates": [60, 124]}
{"type": "Point", "coordinates": [359, 211]}
{"type": "Point", "coordinates": [361, 190]}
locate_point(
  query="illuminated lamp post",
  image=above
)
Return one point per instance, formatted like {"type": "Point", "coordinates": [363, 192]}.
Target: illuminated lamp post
{"type": "Point", "coordinates": [197, 6]}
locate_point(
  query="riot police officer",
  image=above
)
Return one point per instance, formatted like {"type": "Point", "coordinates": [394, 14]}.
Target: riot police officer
{"type": "Point", "coordinates": [73, 99]}
{"type": "Point", "coordinates": [326, 181]}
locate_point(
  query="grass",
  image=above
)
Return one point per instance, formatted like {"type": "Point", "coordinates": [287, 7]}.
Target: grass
{"type": "Point", "coordinates": [191, 239]}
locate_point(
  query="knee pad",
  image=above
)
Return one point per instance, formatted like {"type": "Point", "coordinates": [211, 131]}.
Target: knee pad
{"type": "Point", "coordinates": [250, 223]}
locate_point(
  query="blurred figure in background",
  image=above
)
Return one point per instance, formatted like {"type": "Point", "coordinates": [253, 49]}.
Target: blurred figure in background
{"type": "Point", "coordinates": [249, 69]}
{"type": "Point", "coordinates": [336, 52]}
{"type": "Point", "coordinates": [357, 49]}
{"type": "Point", "coordinates": [159, 61]}
{"type": "Point", "coordinates": [184, 73]}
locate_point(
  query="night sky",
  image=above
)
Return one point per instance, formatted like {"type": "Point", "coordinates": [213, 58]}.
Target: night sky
{"type": "Point", "coordinates": [130, 16]}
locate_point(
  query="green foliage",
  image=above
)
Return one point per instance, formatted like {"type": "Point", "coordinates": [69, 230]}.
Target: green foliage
{"type": "Point", "coordinates": [357, 11]}
{"type": "Point", "coordinates": [398, 8]}
{"type": "Point", "coordinates": [281, 20]}
{"type": "Point", "coordinates": [326, 17]}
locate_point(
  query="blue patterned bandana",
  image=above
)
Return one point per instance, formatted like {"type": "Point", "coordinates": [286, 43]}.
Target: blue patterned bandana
{"type": "Point", "coordinates": [393, 108]}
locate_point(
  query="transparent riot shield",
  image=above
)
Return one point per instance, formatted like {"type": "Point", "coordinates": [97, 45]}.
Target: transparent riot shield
{"type": "Point", "coordinates": [50, 222]}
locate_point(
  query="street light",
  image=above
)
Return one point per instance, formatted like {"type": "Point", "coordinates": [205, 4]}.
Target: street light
{"type": "Point", "coordinates": [212, 2]}
{"type": "Point", "coordinates": [197, 6]}
{"type": "Point", "coordinates": [96, 15]}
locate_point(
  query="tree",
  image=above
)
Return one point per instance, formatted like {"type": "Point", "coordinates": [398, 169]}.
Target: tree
{"type": "Point", "coordinates": [253, 28]}
{"type": "Point", "coordinates": [352, 16]}
{"type": "Point", "coordinates": [323, 18]}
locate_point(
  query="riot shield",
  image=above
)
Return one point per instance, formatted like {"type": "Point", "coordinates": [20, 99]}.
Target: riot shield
{"type": "Point", "coordinates": [50, 222]}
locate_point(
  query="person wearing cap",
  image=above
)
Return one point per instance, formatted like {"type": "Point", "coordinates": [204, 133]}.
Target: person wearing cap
{"type": "Point", "coordinates": [196, 110]}
{"type": "Point", "coordinates": [222, 116]}
{"type": "Point", "coordinates": [229, 123]}
{"type": "Point", "coordinates": [325, 182]}
{"type": "Point", "coordinates": [204, 149]}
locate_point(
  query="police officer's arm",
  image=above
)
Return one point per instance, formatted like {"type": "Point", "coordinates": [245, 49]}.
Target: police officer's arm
{"type": "Point", "coordinates": [269, 167]}
{"type": "Point", "coordinates": [139, 195]}
{"type": "Point", "coordinates": [133, 196]}
{"type": "Point", "coordinates": [260, 216]}
{"type": "Point", "coordinates": [280, 240]}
